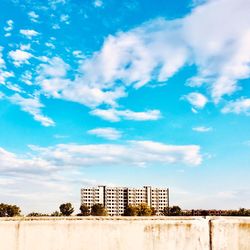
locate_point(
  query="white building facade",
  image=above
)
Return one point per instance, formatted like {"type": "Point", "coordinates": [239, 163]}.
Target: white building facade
{"type": "Point", "coordinates": [116, 199]}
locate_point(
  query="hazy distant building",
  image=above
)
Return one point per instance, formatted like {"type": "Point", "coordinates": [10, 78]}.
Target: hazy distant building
{"type": "Point", "coordinates": [116, 199]}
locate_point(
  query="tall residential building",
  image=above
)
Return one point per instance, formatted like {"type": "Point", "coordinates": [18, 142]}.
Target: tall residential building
{"type": "Point", "coordinates": [116, 199]}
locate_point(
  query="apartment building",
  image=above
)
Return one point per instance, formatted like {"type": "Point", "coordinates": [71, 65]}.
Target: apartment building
{"type": "Point", "coordinates": [116, 199]}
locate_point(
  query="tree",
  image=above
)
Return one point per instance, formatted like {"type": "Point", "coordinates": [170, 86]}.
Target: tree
{"type": "Point", "coordinates": [153, 211]}
{"type": "Point", "coordinates": [144, 210]}
{"type": "Point", "coordinates": [35, 214]}
{"type": "Point", "coordinates": [165, 211]}
{"type": "Point", "coordinates": [66, 209]}
{"type": "Point", "coordinates": [85, 211]}
{"type": "Point", "coordinates": [13, 210]}
{"type": "Point", "coordinates": [204, 213]}
{"type": "Point", "coordinates": [175, 211]}
{"type": "Point", "coordinates": [3, 210]}
{"type": "Point", "coordinates": [140, 210]}
{"type": "Point", "coordinates": [243, 212]}
{"type": "Point", "coordinates": [7, 210]}
{"type": "Point", "coordinates": [98, 210]}
{"type": "Point", "coordinates": [56, 213]}
{"type": "Point", "coordinates": [131, 210]}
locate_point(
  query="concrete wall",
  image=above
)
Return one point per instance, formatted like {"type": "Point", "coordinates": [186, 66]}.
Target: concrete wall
{"type": "Point", "coordinates": [154, 233]}
{"type": "Point", "coordinates": [231, 234]}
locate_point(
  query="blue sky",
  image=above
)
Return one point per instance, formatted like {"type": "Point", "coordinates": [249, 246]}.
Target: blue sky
{"type": "Point", "coordinates": [125, 93]}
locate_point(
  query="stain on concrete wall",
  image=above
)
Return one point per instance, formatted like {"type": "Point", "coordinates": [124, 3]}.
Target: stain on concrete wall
{"type": "Point", "coordinates": [231, 234]}
{"type": "Point", "coordinates": [156, 233]}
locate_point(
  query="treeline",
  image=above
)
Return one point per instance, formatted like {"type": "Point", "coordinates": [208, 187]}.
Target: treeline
{"type": "Point", "coordinates": [239, 212]}
{"type": "Point", "coordinates": [142, 209]}
{"type": "Point", "coordinates": [67, 209]}
{"type": "Point", "coordinates": [176, 211]}
{"type": "Point", "coordinates": [99, 210]}
{"type": "Point", "coordinates": [7, 210]}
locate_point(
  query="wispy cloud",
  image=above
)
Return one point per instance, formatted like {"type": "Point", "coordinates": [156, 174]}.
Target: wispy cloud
{"type": "Point", "coordinates": [56, 172]}
{"type": "Point", "coordinates": [21, 172]}
{"type": "Point", "coordinates": [4, 74]}
{"type": "Point", "coordinates": [240, 106]}
{"type": "Point", "coordinates": [20, 57]}
{"type": "Point", "coordinates": [107, 133]}
{"type": "Point", "coordinates": [33, 16]}
{"type": "Point", "coordinates": [98, 3]}
{"type": "Point", "coordinates": [154, 52]}
{"type": "Point", "coordinates": [29, 33]}
{"type": "Point", "coordinates": [202, 129]}
{"type": "Point", "coordinates": [33, 106]}
{"type": "Point", "coordinates": [57, 136]}
{"type": "Point", "coordinates": [1, 95]}
{"type": "Point", "coordinates": [137, 153]}
{"type": "Point", "coordinates": [64, 19]}
{"type": "Point", "coordinates": [158, 49]}
{"type": "Point", "coordinates": [114, 115]}
{"type": "Point", "coordinates": [197, 100]}
{"type": "Point", "coordinates": [8, 28]}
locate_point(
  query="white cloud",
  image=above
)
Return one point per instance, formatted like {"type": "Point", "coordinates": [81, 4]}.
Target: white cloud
{"type": "Point", "coordinates": [78, 54]}
{"type": "Point", "coordinates": [3, 73]}
{"type": "Point", "coordinates": [220, 48]}
{"type": "Point", "coordinates": [33, 16]}
{"type": "Point", "coordinates": [27, 77]}
{"type": "Point", "coordinates": [239, 106]}
{"type": "Point", "coordinates": [12, 163]}
{"type": "Point", "coordinates": [98, 3]}
{"type": "Point", "coordinates": [50, 45]}
{"type": "Point", "coordinates": [238, 196]}
{"type": "Point", "coordinates": [56, 68]}
{"type": "Point", "coordinates": [54, 83]}
{"type": "Point", "coordinates": [9, 26]}
{"type": "Point", "coordinates": [53, 183]}
{"type": "Point", "coordinates": [149, 52]}
{"type": "Point", "coordinates": [107, 133]}
{"type": "Point", "coordinates": [196, 99]}
{"type": "Point", "coordinates": [58, 136]}
{"type": "Point", "coordinates": [157, 49]}
{"type": "Point", "coordinates": [116, 115]}
{"type": "Point", "coordinates": [56, 26]}
{"type": "Point", "coordinates": [13, 86]}
{"type": "Point", "coordinates": [43, 59]}
{"type": "Point", "coordinates": [154, 52]}
{"type": "Point", "coordinates": [29, 33]}
{"type": "Point", "coordinates": [202, 129]}
{"type": "Point", "coordinates": [227, 194]}
{"type": "Point", "coordinates": [20, 57]}
{"type": "Point", "coordinates": [55, 3]}
{"type": "Point", "coordinates": [194, 110]}
{"type": "Point", "coordinates": [33, 106]}
{"type": "Point", "coordinates": [135, 153]}
{"type": "Point", "coordinates": [25, 46]}
{"type": "Point", "coordinates": [55, 173]}
{"type": "Point", "coordinates": [64, 18]}
{"type": "Point", "coordinates": [2, 62]}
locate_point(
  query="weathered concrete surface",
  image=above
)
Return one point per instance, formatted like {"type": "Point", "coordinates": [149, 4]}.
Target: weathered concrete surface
{"type": "Point", "coordinates": [126, 233]}
{"type": "Point", "coordinates": [104, 234]}
{"type": "Point", "coordinates": [230, 234]}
